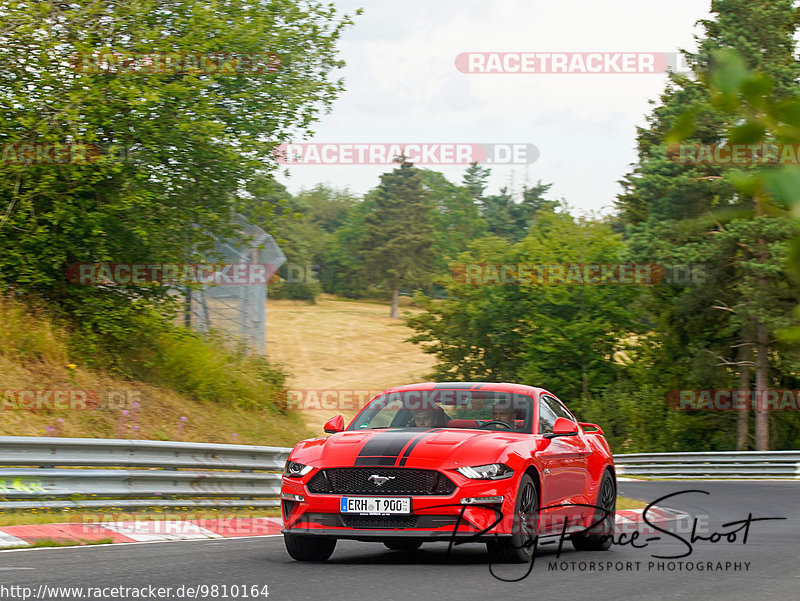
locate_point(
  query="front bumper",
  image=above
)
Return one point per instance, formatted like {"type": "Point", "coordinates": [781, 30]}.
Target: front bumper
{"type": "Point", "coordinates": [433, 517]}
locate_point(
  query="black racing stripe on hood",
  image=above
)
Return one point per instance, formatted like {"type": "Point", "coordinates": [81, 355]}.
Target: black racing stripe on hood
{"type": "Point", "coordinates": [410, 447]}
{"type": "Point", "coordinates": [375, 461]}
{"type": "Point", "coordinates": [383, 447]}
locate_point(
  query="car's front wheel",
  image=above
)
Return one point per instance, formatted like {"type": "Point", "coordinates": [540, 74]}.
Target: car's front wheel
{"type": "Point", "coordinates": [599, 537]}
{"type": "Point", "coordinates": [309, 548]}
{"type": "Point", "coordinates": [519, 548]}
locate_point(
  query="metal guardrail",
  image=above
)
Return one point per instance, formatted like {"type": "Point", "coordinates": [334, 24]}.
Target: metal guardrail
{"type": "Point", "coordinates": [68, 472]}
{"type": "Point", "coordinates": [739, 465]}
{"type": "Point", "coordinates": [63, 473]}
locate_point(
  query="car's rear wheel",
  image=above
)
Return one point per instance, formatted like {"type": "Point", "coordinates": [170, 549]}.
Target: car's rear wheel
{"type": "Point", "coordinates": [402, 545]}
{"type": "Point", "coordinates": [309, 548]}
{"type": "Point", "coordinates": [519, 548]}
{"type": "Point", "coordinates": [599, 537]}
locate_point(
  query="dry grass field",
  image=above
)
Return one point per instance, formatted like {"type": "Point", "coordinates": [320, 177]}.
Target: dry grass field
{"type": "Point", "coordinates": [341, 346]}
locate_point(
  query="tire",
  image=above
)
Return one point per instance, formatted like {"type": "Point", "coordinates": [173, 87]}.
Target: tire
{"type": "Point", "coordinates": [402, 545]}
{"type": "Point", "coordinates": [309, 548]}
{"type": "Point", "coordinates": [599, 537]}
{"type": "Point", "coordinates": [519, 547]}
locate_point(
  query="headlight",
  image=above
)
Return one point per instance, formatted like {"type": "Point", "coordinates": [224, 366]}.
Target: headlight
{"type": "Point", "coordinates": [296, 470]}
{"type": "Point", "coordinates": [493, 471]}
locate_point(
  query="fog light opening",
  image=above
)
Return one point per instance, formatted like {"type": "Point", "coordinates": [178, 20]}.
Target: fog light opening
{"type": "Point", "coordinates": [482, 500]}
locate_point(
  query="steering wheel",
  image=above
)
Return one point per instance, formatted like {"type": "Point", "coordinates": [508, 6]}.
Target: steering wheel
{"type": "Point", "coordinates": [493, 422]}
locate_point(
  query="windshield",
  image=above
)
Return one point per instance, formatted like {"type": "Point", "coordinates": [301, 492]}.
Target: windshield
{"type": "Point", "coordinates": [428, 409]}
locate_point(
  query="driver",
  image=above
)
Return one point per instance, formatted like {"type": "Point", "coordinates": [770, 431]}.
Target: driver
{"type": "Point", "coordinates": [501, 412]}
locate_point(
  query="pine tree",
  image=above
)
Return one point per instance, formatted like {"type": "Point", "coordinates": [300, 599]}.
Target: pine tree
{"type": "Point", "coordinates": [398, 245]}
{"type": "Point", "coordinates": [670, 208]}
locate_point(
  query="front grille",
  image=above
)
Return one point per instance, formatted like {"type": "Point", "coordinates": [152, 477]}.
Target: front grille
{"type": "Point", "coordinates": [380, 521]}
{"type": "Point", "coordinates": [404, 481]}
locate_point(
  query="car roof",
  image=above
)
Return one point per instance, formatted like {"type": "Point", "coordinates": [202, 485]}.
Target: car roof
{"type": "Point", "coordinates": [492, 386]}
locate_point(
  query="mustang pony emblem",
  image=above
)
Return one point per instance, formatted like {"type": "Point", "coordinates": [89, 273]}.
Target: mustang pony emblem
{"type": "Point", "coordinates": [379, 480]}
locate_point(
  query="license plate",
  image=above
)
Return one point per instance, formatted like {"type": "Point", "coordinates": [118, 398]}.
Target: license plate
{"type": "Point", "coordinates": [382, 505]}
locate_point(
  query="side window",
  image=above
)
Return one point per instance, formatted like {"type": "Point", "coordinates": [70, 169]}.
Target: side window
{"type": "Point", "coordinates": [554, 410]}
{"type": "Point", "coordinates": [546, 417]}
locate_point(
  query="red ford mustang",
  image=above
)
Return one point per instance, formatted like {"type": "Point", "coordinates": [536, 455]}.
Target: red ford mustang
{"type": "Point", "coordinates": [492, 463]}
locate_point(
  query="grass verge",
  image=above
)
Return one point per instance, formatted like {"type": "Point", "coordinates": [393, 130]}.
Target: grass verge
{"type": "Point", "coordinates": [178, 386]}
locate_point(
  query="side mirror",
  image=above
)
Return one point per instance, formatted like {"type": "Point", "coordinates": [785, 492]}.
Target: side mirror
{"type": "Point", "coordinates": [334, 425]}
{"type": "Point", "coordinates": [563, 427]}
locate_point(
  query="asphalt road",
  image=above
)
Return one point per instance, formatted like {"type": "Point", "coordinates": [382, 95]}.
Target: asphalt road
{"type": "Point", "coordinates": [360, 571]}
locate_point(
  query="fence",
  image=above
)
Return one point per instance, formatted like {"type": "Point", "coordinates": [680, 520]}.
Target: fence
{"type": "Point", "coordinates": [68, 472]}
{"type": "Point", "coordinates": [237, 310]}
{"type": "Point", "coordinates": [53, 472]}
{"type": "Point", "coordinates": [737, 465]}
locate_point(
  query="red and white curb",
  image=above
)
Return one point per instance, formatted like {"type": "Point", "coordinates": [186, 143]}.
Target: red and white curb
{"type": "Point", "coordinates": [627, 520]}
{"type": "Point", "coordinates": [631, 520]}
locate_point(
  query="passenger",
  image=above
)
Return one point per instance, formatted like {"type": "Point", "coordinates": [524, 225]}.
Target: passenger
{"type": "Point", "coordinates": [429, 418]}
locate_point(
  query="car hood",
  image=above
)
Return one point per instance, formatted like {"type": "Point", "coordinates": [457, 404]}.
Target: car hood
{"type": "Point", "coordinates": [440, 448]}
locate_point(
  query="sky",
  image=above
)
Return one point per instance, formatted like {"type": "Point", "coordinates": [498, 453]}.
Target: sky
{"type": "Point", "coordinates": [403, 86]}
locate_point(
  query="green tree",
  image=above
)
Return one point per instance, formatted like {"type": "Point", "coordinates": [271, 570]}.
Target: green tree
{"type": "Point", "coordinates": [670, 209]}
{"type": "Point", "coordinates": [398, 243]}
{"type": "Point", "coordinates": [188, 136]}
{"type": "Point", "coordinates": [456, 220]}
{"type": "Point", "coordinates": [562, 337]}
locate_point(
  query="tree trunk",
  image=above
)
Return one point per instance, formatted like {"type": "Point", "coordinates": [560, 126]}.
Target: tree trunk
{"type": "Point", "coordinates": [762, 364]}
{"type": "Point", "coordinates": [394, 313]}
{"type": "Point", "coordinates": [762, 384]}
{"type": "Point", "coordinates": [743, 424]}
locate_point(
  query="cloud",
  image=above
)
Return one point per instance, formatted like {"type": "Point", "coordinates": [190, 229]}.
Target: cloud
{"type": "Point", "coordinates": [402, 86]}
